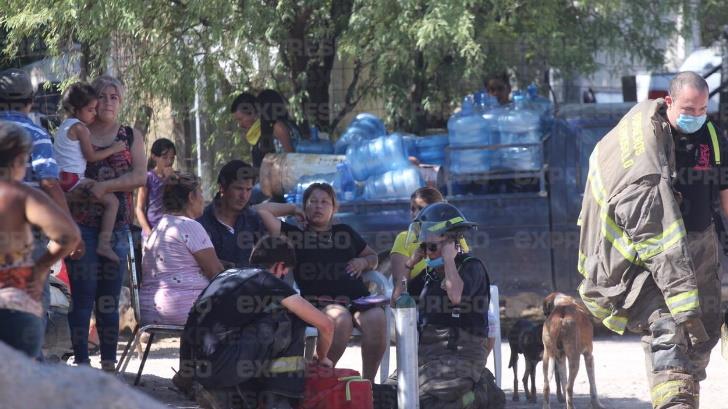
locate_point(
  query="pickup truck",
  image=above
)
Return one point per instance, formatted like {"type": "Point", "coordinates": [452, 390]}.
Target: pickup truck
{"type": "Point", "coordinates": [528, 238]}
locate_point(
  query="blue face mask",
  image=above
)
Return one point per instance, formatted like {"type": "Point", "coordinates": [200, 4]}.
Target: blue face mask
{"type": "Point", "coordinates": [689, 123]}
{"type": "Point", "coordinates": [435, 263]}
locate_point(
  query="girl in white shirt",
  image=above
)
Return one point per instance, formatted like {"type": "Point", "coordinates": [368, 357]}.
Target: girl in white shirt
{"type": "Point", "coordinates": [72, 149]}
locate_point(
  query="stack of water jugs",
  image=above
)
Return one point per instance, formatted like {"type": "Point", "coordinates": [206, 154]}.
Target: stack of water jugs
{"type": "Point", "coordinates": [376, 165]}
{"type": "Point", "coordinates": [481, 122]}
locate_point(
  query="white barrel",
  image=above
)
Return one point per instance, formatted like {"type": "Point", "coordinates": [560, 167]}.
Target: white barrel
{"type": "Point", "coordinates": [407, 369]}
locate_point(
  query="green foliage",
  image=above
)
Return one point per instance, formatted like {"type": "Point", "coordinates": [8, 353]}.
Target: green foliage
{"type": "Point", "coordinates": [713, 16]}
{"type": "Point", "coordinates": [418, 56]}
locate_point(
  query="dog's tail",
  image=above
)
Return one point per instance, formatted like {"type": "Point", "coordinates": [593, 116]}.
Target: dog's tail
{"type": "Point", "coordinates": [514, 358]}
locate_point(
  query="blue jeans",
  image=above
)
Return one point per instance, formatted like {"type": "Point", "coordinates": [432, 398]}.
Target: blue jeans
{"type": "Point", "coordinates": [95, 286]}
{"type": "Point", "coordinates": [22, 331]}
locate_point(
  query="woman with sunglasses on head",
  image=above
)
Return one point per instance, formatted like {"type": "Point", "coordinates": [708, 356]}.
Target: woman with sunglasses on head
{"type": "Point", "coordinates": [330, 260]}
{"type": "Point", "coordinates": [452, 312]}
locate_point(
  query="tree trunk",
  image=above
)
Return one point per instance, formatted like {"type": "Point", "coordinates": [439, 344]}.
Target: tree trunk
{"type": "Point", "coordinates": [417, 92]}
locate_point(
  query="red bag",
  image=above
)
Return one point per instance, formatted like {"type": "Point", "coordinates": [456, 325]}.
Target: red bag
{"type": "Point", "coordinates": [336, 388]}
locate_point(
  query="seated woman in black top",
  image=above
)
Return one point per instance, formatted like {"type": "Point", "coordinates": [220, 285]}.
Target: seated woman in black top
{"type": "Point", "coordinates": [452, 312]}
{"type": "Point", "coordinates": [330, 261]}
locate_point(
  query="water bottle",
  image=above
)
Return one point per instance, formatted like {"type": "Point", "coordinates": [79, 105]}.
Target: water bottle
{"type": "Point", "coordinates": [431, 149]}
{"type": "Point", "coordinates": [395, 184]}
{"type": "Point", "coordinates": [542, 105]}
{"type": "Point", "coordinates": [374, 157]}
{"type": "Point", "coordinates": [519, 124]}
{"type": "Point", "coordinates": [491, 111]}
{"type": "Point", "coordinates": [405, 319]}
{"type": "Point", "coordinates": [351, 136]}
{"type": "Point", "coordinates": [371, 123]}
{"type": "Point", "coordinates": [469, 130]}
{"type": "Point", "coordinates": [410, 144]}
{"type": "Point", "coordinates": [315, 145]}
{"type": "Point", "coordinates": [305, 181]}
{"type": "Point", "coordinates": [344, 184]}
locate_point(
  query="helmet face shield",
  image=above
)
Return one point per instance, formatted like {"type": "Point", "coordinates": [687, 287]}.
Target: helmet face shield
{"type": "Point", "coordinates": [423, 232]}
{"type": "Point", "coordinates": [413, 234]}
{"type": "Point", "coordinates": [437, 220]}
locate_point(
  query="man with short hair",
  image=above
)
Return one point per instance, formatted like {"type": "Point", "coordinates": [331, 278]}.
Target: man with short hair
{"type": "Point", "coordinates": [244, 339]}
{"type": "Point", "coordinates": [648, 249]}
{"type": "Point", "coordinates": [16, 102]}
{"type": "Point", "coordinates": [233, 226]}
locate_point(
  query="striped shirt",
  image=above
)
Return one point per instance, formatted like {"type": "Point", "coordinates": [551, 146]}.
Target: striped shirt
{"type": "Point", "coordinates": [41, 164]}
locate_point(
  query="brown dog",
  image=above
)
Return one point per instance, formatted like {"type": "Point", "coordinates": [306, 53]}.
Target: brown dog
{"type": "Point", "coordinates": [567, 334]}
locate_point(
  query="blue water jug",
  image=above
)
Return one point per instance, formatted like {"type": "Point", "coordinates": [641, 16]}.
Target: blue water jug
{"type": "Point", "coordinates": [431, 149]}
{"type": "Point", "coordinates": [374, 157]}
{"type": "Point", "coordinates": [344, 183]}
{"type": "Point", "coordinates": [524, 158]}
{"type": "Point", "coordinates": [395, 184]}
{"type": "Point", "coordinates": [315, 145]}
{"type": "Point", "coordinates": [410, 143]}
{"type": "Point", "coordinates": [519, 124]}
{"type": "Point", "coordinates": [491, 110]}
{"type": "Point", "coordinates": [470, 130]}
{"type": "Point", "coordinates": [369, 122]}
{"type": "Point", "coordinates": [305, 181]}
{"type": "Point", "coordinates": [542, 105]}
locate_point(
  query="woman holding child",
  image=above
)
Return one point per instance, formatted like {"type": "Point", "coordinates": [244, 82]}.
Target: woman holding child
{"type": "Point", "coordinates": [96, 281]}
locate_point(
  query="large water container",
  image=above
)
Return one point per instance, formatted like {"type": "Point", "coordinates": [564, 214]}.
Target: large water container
{"type": "Point", "coordinates": [470, 130]}
{"type": "Point", "coordinates": [519, 124]}
{"type": "Point", "coordinates": [395, 184]}
{"type": "Point", "coordinates": [542, 105]}
{"type": "Point", "coordinates": [491, 110]}
{"type": "Point", "coordinates": [305, 181]}
{"type": "Point", "coordinates": [368, 158]}
{"type": "Point", "coordinates": [344, 183]}
{"type": "Point", "coordinates": [431, 149]}
{"type": "Point", "coordinates": [410, 144]}
{"type": "Point", "coordinates": [315, 145]}
{"type": "Point", "coordinates": [370, 123]}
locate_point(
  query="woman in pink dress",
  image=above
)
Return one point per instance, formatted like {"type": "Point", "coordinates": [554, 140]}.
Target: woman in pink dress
{"type": "Point", "coordinates": [179, 259]}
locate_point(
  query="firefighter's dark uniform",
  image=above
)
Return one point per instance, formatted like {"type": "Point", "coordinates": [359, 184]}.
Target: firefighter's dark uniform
{"type": "Point", "coordinates": [239, 341]}
{"type": "Point", "coordinates": [643, 269]}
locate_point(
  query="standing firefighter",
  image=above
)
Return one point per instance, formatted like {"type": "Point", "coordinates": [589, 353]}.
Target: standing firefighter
{"type": "Point", "coordinates": [648, 248]}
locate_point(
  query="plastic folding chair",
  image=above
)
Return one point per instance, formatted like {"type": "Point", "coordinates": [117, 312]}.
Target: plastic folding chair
{"type": "Point", "coordinates": [151, 329]}
{"type": "Point", "coordinates": [383, 287]}
{"type": "Point", "coordinates": [495, 306]}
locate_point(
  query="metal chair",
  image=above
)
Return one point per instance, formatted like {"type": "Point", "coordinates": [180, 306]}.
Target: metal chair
{"type": "Point", "coordinates": [383, 287]}
{"type": "Point", "coordinates": [151, 329]}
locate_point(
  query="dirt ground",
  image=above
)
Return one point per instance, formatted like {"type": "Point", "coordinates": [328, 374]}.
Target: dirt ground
{"type": "Point", "coordinates": [619, 368]}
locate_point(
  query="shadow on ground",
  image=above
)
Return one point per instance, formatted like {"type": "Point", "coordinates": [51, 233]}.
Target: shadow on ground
{"type": "Point", "coordinates": [580, 402]}
{"type": "Point", "coordinates": [160, 389]}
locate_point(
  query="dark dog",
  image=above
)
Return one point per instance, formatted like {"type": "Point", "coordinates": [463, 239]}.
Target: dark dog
{"type": "Point", "coordinates": [567, 334]}
{"type": "Point", "coordinates": [525, 338]}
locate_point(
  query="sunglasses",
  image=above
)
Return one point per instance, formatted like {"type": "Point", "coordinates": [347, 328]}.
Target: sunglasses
{"type": "Point", "coordinates": [431, 247]}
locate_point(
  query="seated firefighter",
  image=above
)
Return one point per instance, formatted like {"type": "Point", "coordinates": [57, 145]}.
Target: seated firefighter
{"type": "Point", "coordinates": [242, 346]}
{"type": "Point", "coordinates": [452, 312]}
